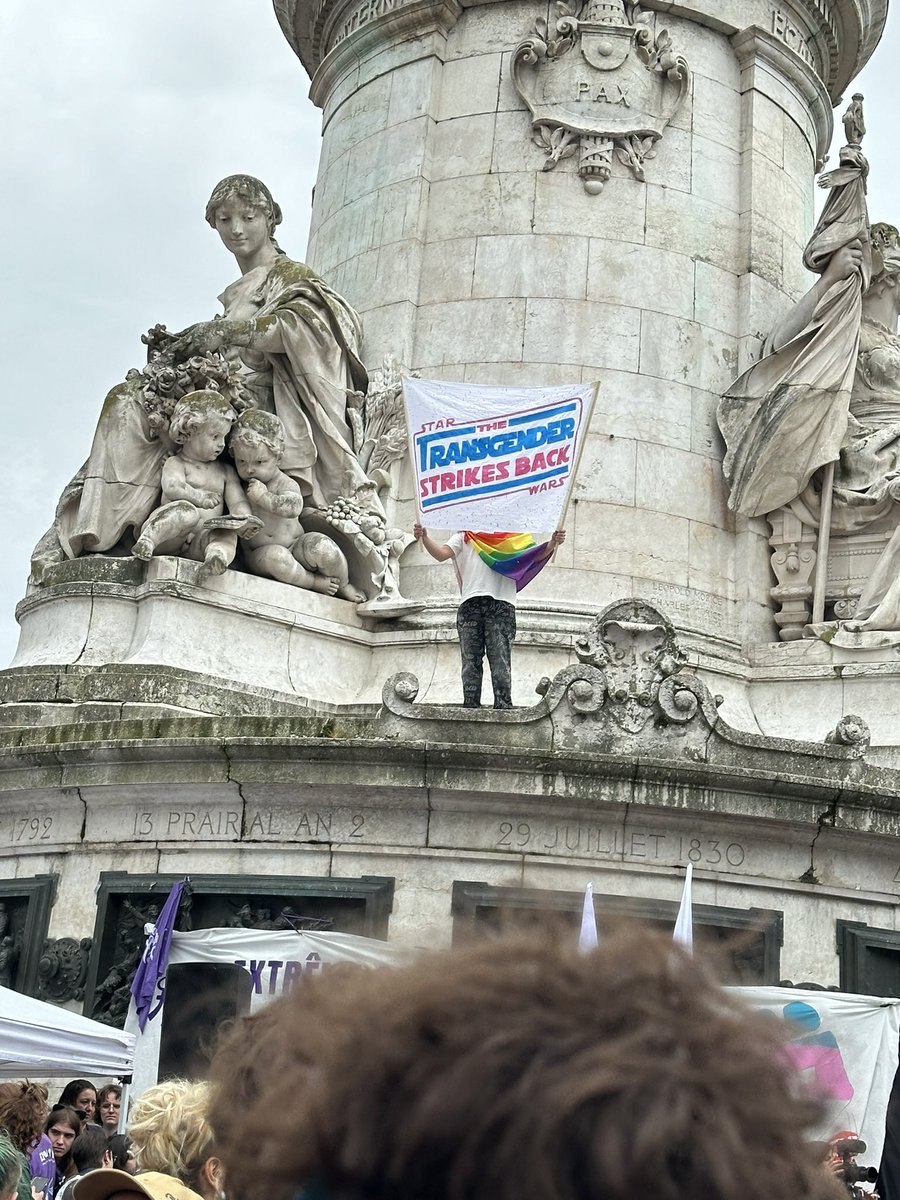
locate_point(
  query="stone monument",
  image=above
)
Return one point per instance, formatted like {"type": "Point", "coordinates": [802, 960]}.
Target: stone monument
{"type": "Point", "coordinates": [238, 667]}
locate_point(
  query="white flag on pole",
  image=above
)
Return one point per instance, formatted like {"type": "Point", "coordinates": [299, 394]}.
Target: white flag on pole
{"type": "Point", "coordinates": [587, 938]}
{"type": "Point", "coordinates": [684, 922]}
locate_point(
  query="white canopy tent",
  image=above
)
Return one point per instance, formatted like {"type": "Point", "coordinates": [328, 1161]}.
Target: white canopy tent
{"type": "Point", "coordinates": [45, 1041]}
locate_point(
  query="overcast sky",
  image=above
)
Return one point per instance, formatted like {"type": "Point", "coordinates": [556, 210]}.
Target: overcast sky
{"type": "Point", "coordinates": [118, 117]}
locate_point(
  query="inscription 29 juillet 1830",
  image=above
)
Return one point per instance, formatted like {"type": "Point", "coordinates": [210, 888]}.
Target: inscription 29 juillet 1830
{"type": "Point", "coordinates": [577, 837]}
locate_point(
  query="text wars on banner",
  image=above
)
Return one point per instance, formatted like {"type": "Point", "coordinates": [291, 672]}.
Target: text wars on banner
{"type": "Point", "coordinates": [494, 458]}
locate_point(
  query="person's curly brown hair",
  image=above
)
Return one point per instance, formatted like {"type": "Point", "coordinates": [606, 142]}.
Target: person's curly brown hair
{"type": "Point", "coordinates": [518, 1070]}
{"type": "Point", "coordinates": [23, 1109]}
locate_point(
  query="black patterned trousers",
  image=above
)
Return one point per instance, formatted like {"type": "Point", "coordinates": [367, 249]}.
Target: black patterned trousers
{"type": "Point", "coordinates": [486, 627]}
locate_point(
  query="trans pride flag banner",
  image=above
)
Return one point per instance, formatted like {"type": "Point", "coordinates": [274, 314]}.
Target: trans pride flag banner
{"type": "Point", "coordinates": [494, 458]}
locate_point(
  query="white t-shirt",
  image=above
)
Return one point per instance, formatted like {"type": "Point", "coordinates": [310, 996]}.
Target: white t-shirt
{"type": "Point", "coordinates": [475, 577]}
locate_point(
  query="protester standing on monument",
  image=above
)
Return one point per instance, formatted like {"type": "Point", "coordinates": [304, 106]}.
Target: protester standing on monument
{"type": "Point", "coordinates": [491, 569]}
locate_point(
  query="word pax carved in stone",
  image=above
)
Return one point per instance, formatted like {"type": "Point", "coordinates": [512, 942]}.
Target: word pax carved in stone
{"type": "Point", "coordinates": [601, 84]}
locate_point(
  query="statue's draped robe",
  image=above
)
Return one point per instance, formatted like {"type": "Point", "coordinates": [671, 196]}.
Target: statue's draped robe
{"type": "Point", "coordinates": [302, 365]}
{"type": "Point", "coordinates": [787, 415]}
{"type": "Point", "coordinates": [867, 481]}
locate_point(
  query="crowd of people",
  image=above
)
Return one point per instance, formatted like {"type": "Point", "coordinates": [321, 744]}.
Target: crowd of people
{"type": "Point", "coordinates": [55, 1145]}
{"type": "Point", "coordinates": [518, 1069]}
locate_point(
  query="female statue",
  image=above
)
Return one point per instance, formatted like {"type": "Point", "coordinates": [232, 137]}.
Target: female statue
{"type": "Point", "coordinates": [813, 427]}
{"type": "Point", "coordinates": [866, 488]}
{"type": "Point", "coordinates": [290, 346]}
{"type": "Point", "coordinates": [867, 480]}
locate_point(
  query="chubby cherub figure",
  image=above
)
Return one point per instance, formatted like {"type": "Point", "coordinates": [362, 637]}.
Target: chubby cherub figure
{"type": "Point", "coordinates": [196, 487]}
{"type": "Point", "coordinates": [280, 549]}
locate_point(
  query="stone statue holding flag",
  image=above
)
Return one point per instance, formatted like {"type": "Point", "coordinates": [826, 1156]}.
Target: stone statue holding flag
{"type": "Point", "coordinates": [492, 568]}
{"type": "Point", "coordinates": [786, 420]}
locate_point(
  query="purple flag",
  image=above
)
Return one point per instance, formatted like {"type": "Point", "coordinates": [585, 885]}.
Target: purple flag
{"type": "Point", "coordinates": [155, 959]}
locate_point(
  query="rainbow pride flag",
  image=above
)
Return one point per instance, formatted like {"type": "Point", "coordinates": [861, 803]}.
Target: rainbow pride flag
{"type": "Point", "coordinates": [515, 555]}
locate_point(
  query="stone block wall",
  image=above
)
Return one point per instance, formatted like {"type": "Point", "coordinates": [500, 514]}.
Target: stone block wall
{"type": "Point", "coordinates": [469, 262]}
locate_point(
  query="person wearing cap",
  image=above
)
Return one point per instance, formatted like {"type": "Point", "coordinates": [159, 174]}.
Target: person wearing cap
{"type": "Point", "coordinates": [109, 1184]}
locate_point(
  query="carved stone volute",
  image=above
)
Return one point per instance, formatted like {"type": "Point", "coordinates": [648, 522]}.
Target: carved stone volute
{"type": "Point", "coordinates": [629, 682]}
{"type": "Point", "coordinates": [635, 649]}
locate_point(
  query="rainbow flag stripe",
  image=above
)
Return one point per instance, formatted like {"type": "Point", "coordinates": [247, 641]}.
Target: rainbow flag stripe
{"type": "Point", "coordinates": [515, 555]}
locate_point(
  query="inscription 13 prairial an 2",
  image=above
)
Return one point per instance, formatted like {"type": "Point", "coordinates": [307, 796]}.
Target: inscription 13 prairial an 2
{"type": "Point", "coordinates": [299, 825]}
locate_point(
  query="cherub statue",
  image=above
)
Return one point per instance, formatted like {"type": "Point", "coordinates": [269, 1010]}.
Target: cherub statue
{"type": "Point", "coordinates": [280, 549]}
{"type": "Point", "coordinates": [197, 488]}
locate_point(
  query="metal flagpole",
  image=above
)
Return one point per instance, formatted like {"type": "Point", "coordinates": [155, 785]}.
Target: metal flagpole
{"type": "Point", "coordinates": [826, 502]}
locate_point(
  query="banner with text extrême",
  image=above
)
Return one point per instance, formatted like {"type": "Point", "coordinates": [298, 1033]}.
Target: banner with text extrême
{"type": "Point", "coordinates": [494, 459]}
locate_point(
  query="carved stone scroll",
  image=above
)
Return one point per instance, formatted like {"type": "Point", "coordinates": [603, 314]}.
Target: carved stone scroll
{"type": "Point", "coordinates": [604, 85]}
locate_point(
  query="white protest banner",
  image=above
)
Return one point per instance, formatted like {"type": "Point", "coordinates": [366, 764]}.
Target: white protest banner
{"type": "Point", "coordinates": [495, 459]}
{"type": "Point", "coordinates": [846, 1048]}
{"type": "Point", "coordinates": [274, 959]}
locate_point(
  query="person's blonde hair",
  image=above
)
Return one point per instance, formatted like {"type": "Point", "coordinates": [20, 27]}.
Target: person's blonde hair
{"type": "Point", "coordinates": [170, 1131]}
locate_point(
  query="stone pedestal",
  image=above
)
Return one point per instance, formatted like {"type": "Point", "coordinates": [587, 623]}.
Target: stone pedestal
{"type": "Point", "coordinates": [433, 215]}
{"type": "Point", "coordinates": [158, 725]}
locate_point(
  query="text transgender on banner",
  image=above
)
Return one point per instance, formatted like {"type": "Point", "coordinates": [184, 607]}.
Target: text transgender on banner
{"type": "Point", "coordinates": [495, 458]}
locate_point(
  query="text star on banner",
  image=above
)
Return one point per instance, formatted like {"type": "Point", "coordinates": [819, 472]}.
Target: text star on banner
{"type": "Point", "coordinates": [494, 459]}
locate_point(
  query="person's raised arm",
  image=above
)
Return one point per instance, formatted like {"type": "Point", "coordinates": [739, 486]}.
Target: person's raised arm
{"type": "Point", "coordinates": [439, 553]}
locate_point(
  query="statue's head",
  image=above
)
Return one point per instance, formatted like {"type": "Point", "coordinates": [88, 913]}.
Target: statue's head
{"type": "Point", "coordinates": [885, 241]}
{"type": "Point", "coordinates": [198, 410]}
{"type": "Point", "coordinates": [248, 189]}
{"type": "Point", "coordinates": [256, 444]}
